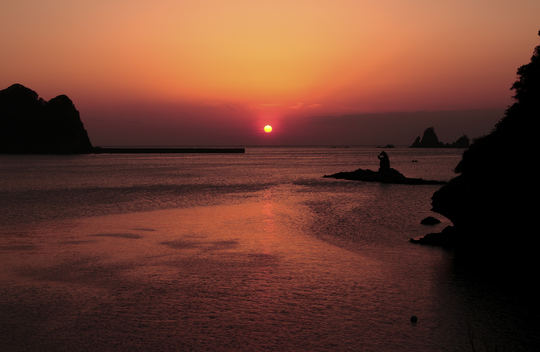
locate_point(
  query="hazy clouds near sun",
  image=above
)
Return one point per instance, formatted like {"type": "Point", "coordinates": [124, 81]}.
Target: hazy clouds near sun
{"type": "Point", "coordinates": [212, 126]}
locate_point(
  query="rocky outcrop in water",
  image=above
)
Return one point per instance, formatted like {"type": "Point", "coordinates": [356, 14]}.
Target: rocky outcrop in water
{"type": "Point", "coordinates": [385, 174]}
{"type": "Point", "coordinates": [430, 140]}
{"type": "Point", "coordinates": [491, 202]}
{"type": "Point", "coordinates": [461, 142]}
{"type": "Point", "coordinates": [31, 125]}
{"type": "Point", "coordinates": [392, 176]}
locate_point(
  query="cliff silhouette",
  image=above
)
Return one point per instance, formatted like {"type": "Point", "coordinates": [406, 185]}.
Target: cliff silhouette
{"type": "Point", "coordinates": [430, 140]}
{"type": "Point", "coordinates": [31, 125]}
{"type": "Point", "coordinates": [491, 201]}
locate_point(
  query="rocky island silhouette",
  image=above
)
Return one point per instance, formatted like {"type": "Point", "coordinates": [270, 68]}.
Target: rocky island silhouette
{"type": "Point", "coordinates": [430, 140]}
{"type": "Point", "coordinates": [31, 125]}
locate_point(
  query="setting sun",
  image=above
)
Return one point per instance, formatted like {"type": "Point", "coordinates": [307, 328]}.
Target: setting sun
{"type": "Point", "coordinates": [324, 72]}
{"type": "Point", "coordinates": [267, 128]}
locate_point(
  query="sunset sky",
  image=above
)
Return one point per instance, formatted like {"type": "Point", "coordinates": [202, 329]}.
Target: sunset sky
{"type": "Point", "coordinates": [208, 72]}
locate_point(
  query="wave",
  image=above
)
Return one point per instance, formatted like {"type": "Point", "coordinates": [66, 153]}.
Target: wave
{"type": "Point", "coordinates": [53, 204]}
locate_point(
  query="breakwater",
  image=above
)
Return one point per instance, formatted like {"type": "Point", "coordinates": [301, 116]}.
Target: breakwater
{"type": "Point", "coordinates": [99, 150]}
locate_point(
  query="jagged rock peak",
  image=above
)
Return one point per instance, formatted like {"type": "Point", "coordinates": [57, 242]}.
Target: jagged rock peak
{"type": "Point", "coordinates": [30, 125]}
{"type": "Point", "coordinates": [430, 140]}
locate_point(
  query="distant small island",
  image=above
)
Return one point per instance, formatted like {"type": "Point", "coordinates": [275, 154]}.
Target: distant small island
{"type": "Point", "coordinates": [430, 140]}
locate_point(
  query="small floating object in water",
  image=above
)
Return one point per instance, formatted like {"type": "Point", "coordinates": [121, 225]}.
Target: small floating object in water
{"type": "Point", "coordinates": [414, 319]}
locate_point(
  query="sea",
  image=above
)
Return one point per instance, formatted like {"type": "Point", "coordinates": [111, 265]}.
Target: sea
{"type": "Point", "coordinates": [241, 252]}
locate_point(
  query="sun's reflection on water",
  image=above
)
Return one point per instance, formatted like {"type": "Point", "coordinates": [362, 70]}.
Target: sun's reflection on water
{"type": "Point", "coordinates": [248, 271]}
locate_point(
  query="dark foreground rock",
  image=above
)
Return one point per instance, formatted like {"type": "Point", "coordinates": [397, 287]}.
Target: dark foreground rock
{"type": "Point", "coordinates": [31, 125]}
{"type": "Point", "coordinates": [446, 238]}
{"type": "Point", "coordinates": [491, 202]}
{"type": "Point", "coordinates": [390, 176]}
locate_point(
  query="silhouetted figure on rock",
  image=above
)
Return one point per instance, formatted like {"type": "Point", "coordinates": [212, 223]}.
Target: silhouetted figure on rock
{"type": "Point", "coordinates": [385, 174]}
{"type": "Point", "coordinates": [384, 163]}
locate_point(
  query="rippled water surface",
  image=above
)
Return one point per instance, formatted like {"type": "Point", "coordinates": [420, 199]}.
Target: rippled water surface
{"type": "Point", "coordinates": [236, 252]}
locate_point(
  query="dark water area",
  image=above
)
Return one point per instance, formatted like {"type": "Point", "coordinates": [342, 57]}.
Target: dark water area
{"type": "Point", "coordinates": [245, 252]}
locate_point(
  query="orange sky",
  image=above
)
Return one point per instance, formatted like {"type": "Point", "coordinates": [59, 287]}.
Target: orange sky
{"type": "Point", "coordinates": [202, 72]}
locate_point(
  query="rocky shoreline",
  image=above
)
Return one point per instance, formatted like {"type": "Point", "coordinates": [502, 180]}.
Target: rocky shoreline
{"type": "Point", "coordinates": [491, 201]}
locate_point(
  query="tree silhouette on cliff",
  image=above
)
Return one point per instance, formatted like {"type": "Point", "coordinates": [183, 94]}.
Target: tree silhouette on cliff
{"type": "Point", "coordinates": [489, 203]}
